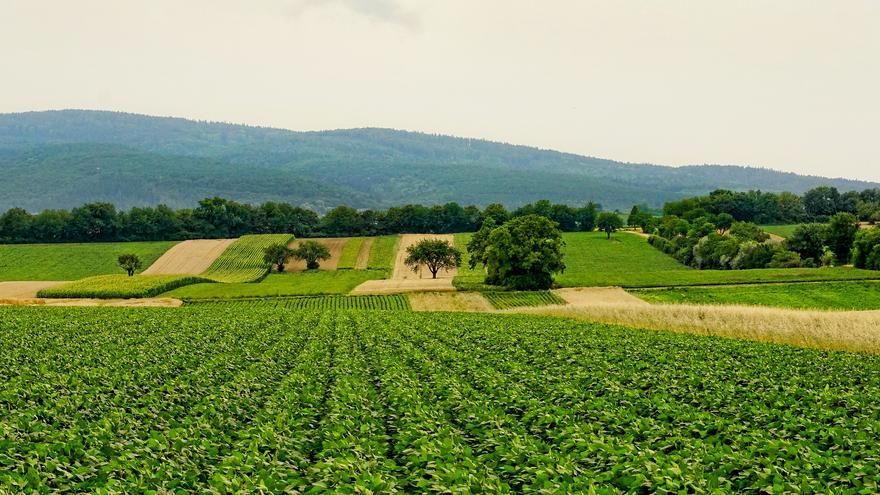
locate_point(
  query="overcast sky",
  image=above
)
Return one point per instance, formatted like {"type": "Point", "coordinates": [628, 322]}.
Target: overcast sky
{"type": "Point", "coordinates": [784, 84]}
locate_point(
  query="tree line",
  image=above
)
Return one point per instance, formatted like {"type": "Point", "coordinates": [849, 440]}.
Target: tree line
{"type": "Point", "coordinates": [223, 218]}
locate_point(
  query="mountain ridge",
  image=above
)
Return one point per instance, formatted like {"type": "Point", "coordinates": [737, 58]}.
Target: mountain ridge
{"type": "Point", "coordinates": [364, 167]}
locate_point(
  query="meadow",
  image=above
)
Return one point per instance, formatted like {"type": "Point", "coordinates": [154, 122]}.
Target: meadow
{"type": "Point", "coordinates": [784, 231]}
{"type": "Point", "coordinates": [824, 295]}
{"type": "Point", "coordinates": [312, 282]}
{"type": "Point", "coordinates": [72, 261]}
{"type": "Point", "coordinates": [242, 400]}
{"type": "Point", "coordinates": [627, 260]}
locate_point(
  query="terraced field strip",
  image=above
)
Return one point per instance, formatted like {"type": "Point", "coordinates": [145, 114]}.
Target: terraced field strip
{"type": "Point", "coordinates": [257, 400]}
{"type": "Point", "coordinates": [383, 253]}
{"type": "Point", "coordinates": [349, 257]}
{"type": "Point", "coordinates": [363, 258]}
{"type": "Point", "coordinates": [334, 244]}
{"type": "Point", "coordinates": [19, 290]}
{"type": "Point", "coordinates": [119, 286]}
{"type": "Point", "coordinates": [390, 302]}
{"type": "Point", "coordinates": [517, 299]}
{"type": "Point", "coordinates": [243, 261]}
{"type": "Point", "coordinates": [62, 261]}
{"type": "Point", "coordinates": [189, 257]}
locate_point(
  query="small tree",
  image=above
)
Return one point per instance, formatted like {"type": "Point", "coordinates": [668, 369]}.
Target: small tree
{"type": "Point", "coordinates": [276, 255]}
{"type": "Point", "coordinates": [436, 254]}
{"type": "Point", "coordinates": [609, 222]}
{"type": "Point", "coordinates": [129, 262]}
{"type": "Point", "coordinates": [311, 252]}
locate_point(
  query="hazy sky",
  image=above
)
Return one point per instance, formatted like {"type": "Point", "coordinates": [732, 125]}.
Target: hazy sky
{"type": "Point", "coordinates": [785, 84]}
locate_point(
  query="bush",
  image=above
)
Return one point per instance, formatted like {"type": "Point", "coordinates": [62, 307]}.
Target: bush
{"type": "Point", "coordinates": [785, 259]}
{"type": "Point", "coordinates": [866, 249]}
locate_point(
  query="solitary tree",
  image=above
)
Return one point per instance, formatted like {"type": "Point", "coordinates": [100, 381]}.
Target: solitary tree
{"type": "Point", "coordinates": [311, 252]}
{"type": "Point", "coordinates": [524, 253]}
{"type": "Point", "coordinates": [129, 262]}
{"type": "Point", "coordinates": [435, 254]}
{"type": "Point", "coordinates": [276, 255]}
{"type": "Point", "coordinates": [608, 222]}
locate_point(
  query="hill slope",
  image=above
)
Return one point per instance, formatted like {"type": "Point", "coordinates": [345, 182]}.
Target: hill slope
{"type": "Point", "coordinates": [64, 158]}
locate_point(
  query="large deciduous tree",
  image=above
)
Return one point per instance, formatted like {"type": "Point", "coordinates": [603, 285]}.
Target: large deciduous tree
{"type": "Point", "coordinates": [609, 222]}
{"type": "Point", "coordinates": [435, 254]}
{"type": "Point", "coordinates": [276, 255]}
{"type": "Point", "coordinates": [523, 254]}
{"type": "Point", "coordinates": [840, 234]}
{"type": "Point", "coordinates": [311, 252]}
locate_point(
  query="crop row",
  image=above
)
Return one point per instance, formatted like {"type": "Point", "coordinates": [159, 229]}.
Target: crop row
{"type": "Point", "coordinates": [517, 299]}
{"type": "Point", "coordinates": [243, 259]}
{"type": "Point", "coordinates": [119, 286]}
{"type": "Point", "coordinates": [371, 302]}
{"type": "Point", "coordinates": [251, 400]}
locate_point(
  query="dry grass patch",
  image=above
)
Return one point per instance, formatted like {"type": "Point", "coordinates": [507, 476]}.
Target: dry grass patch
{"type": "Point", "coordinates": [449, 301]}
{"type": "Point", "coordinates": [20, 290]}
{"type": "Point", "coordinates": [163, 302]}
{"type": "Point", "coordinates": [857, 331]}
{"type": "Point", "coordinates": [591, 296]}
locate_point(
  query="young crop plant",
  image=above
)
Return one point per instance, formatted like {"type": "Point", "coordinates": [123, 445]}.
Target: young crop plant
{"type": "Point", "coordinates": [518, 299]}
{"type": "Point", "coordinates": [213, 399]}
{"type": "Point", "coordinates": [243, 260]}
{"type": "Point", "coordinates": [120, 286]}
{"type": "Point", "coordinates": [396, 302]}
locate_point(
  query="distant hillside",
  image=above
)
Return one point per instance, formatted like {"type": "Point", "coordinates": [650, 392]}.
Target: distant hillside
{"type": "Point", "coordinates": [60, 159]}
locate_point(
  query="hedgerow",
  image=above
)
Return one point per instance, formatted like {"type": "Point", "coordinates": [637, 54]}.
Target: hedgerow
{"type": "Point", "coordinates": [252, 400]}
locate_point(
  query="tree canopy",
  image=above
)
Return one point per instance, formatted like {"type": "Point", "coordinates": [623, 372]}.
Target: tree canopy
{"type": "Point", "coordinates": [523, 254]}
{"type": "Point", "coordinates": [435, 254]}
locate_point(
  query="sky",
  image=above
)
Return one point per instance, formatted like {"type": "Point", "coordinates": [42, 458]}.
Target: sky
{"type": "Point", "coordinates": [785, 84]}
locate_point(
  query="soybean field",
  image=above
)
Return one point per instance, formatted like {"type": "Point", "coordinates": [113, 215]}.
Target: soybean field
{"type": "Point", "coordinates": [253, 400]}
{"type": "Point", "coordinates": [397, 302]}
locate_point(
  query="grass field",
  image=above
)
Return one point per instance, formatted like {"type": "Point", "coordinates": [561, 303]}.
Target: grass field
{"type": "Point", "coordinates": [629, 261]}
{"type": "Point", "coordinates": [383, 253]}
{"type": "Point", "coordinates": [246, 400]}
{"type": "Point", "coordinates": [516, 299]}
{"type": "Point", "coordinates": [822, 295]}
{"type": "Point", "coordinates": [396, 302]}
{"type": "Point", "coordinates": [350, 251]}
{"type": "Point", "coordinates": [780, 230]}
{"type": "Point", "coordinates": [72, 261]}
{"type": "Point", "coordinates": [312, 282]}
{"type": "Point", "coordinates": [120, 286]}
{"type": "Point", "coordinates": [243, 259]}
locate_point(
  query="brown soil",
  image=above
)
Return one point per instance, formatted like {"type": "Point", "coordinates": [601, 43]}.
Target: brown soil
{"type": "Point", "coordinates": [449, 301]}
{"type": "Point", "coordinates": [363, 258]}
{"type": "Point", "coordinates": [594, 296]}
{"type": "Point", "coordinates": [18, 290]}
{"type": "Point", "coordinates": [189, 257]}
{"type": "Point", "coordinates": [129, 303]}
{"type": "Point", "coordinates": [403, 272]}
{"type": "Point", "coordinates": [334, 245]}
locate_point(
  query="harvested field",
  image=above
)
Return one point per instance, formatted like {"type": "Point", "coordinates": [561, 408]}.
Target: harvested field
{"type": "Point", "coordinates": [164, 302]}
{"type": "Point", "coordinates": [189, 257]}
{"type": "Point", "coordinates": [403, 272]}
{"type": "Point", "coordinates": [403, 279]}
{"type": "Point", "coordinates": [855, 331]}
{"type": "Point", "coordinates": [449, 301]}
{"type": "Point", "coordinates": [591, 296]}
{"type": "Point", "coordinates": [334, 245]}
{"type": "Point", "coordinates": [363, 258]}
{"type": "Point", "coordinates": [20, 290]}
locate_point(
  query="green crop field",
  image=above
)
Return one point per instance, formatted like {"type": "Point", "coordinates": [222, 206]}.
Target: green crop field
{"type": "Point", "coordinates": [780, 230]}
{"type": "Point", "coordinates": [243, 259]}
{"type": "Point", "coordinates": [383, 252]}
{"type": "Point", "coordinates": [348, 258]}
{"type": "Point", "coordinates": [396, 302]}
{"type": "Point", "coordinates": [249, 400]}
{"type": "Point", "coordinates": [72, 261]}
{"type": "Point", "coordinates": [120, 286]}
{"type": "Point", "coordinates": [627, 260]}
{"type": "Point", "coordinates": [518, 299]}
{"type": "Point", "coordinates": [821, 295]}
{"type": "Point", "coordinates": [313, 282]}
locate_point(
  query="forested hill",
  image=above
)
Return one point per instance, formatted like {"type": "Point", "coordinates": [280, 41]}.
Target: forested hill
{"type": "Point", "coordinates": [61, 159]}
